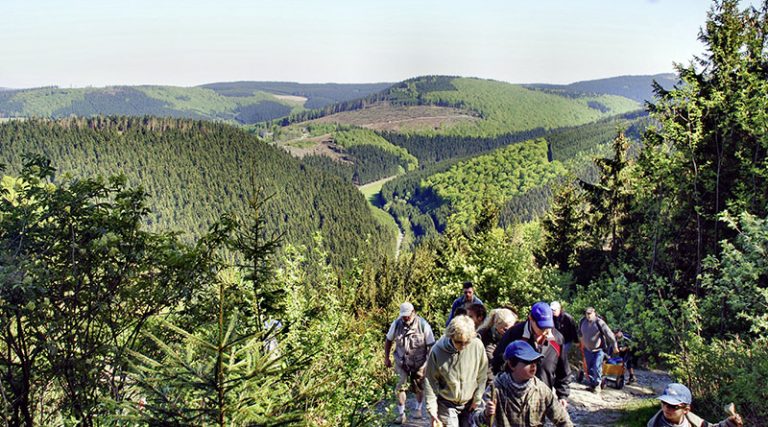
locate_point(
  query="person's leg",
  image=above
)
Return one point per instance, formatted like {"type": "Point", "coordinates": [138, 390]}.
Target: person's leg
{"type": "Point", "coordinates": [417, 385]}
{"type": "Point", "coordinates": [447, 414]}
{"type": "Point", "coordinates": [629, 363]}
{"type": "Point", "coordinates": [600, 355]}
{"type": "Point", "coordinates": [465, 416]}
{"type": "Point", "coordinates": [400, 389]}
{"type": "Point", "coordinates": [591, 374]}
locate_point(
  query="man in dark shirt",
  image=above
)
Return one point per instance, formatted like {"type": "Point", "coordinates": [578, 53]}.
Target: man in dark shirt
{"type": "Point", "coordinates": [539, 331]}
{"type": "Point", "coordinates": [464, 301]}
{"type": "Point", "coordinates": [565, 324]}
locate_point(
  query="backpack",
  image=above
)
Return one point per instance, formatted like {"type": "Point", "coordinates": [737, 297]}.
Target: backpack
{"type": "Point", "coordinates": [413, 344]}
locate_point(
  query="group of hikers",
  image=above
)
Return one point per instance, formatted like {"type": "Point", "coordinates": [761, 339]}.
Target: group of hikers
{"type": "Point", "coordinates": [490, 369]}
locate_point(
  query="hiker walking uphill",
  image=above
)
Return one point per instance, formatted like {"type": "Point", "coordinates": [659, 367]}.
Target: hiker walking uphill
{"type": "Point", "coordinates": [517, 398]}
{"type": "Point", "coordinates": [565, 324]}
{"type": "Point", "coordinates": [455, 375]}
{"type": "Point", "coordinates": [624, 342]}
{"type": "Point", "coordinates": [478, 314]}
{"type": "Point", "coordinates": [676, 411]}
{"type": "Point", "coordinates": [491, 331]}
{"type": "Point", "coordinates": [595, 336]}
{"type": "Point", "coordinates": [539, 331]}
{"type": "Point", "coordinates": [413, 339]}
{"type": "Point", "coordinates": [464, 301]}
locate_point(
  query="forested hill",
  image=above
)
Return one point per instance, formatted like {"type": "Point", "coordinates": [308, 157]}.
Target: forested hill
{"type": "Point", "coordinates": [318, 94]}
{"type": "Point", "coordinates": [240, 102]}
{"type": "Point", "coordinates": [194, 171]}
{"type": "Point", "coordinates": [638, 88]}
{"type": "Point", "coordinates": [471, 107]}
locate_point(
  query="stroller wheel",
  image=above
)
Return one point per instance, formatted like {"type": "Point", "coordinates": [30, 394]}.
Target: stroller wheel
{"type": "Point", "coordinates": [580, 376]}
{"type": "Point", "coordinates": [620, 382]}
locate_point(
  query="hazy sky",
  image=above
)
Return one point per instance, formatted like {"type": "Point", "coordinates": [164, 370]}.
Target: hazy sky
{"type": "Point", "coordinates": [96, 43]}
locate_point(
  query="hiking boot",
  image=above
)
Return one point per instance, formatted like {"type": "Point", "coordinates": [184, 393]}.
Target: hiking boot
{"type": "Point", "coordinates": [399, 420]}
{"type": "Point", "coordinates": [631, 379]}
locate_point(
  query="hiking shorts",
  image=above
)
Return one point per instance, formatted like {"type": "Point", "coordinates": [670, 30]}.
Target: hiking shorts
{"type": "Point", "coordinates": [413, 381]}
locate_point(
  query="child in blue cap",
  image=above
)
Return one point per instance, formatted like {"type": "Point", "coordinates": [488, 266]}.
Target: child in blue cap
{"type": "Point", "coordinates": [517, 397]}
{"type": "Point", "coordinates": [676, 411]}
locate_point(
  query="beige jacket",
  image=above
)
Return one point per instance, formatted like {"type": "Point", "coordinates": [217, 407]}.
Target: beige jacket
{"type": "Point", "coordinates": [456, 376]}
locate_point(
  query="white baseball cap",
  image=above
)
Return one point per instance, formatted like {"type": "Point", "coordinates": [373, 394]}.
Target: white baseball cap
{"type": "Point", "coordinates": [406, 309]}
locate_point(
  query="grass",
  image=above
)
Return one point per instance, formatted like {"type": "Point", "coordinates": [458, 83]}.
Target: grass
{"type": "Point", "coordinates": [370, 190]}
{"type": "Point", "coordinates": [637, 413]}
{"type": "Point", "coordinates": [301, 143]}
{"type": "Point", "coordinates": [386, 220]}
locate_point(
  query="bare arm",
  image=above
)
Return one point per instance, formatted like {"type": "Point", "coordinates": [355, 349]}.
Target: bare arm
{"type": "Point", "coordinates": [387, 351]}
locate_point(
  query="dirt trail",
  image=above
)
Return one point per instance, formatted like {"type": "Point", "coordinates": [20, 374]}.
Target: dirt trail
{"type": "Point", "coordinates": [586, 409]}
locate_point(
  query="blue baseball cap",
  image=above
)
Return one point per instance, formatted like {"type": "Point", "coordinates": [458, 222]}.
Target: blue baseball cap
{"type": "Point", "coordinates": [676, 394]}
{"type": "Point", "coordinates": [522, 350]}
{"type": "Point", "coordinates": [542, 315]}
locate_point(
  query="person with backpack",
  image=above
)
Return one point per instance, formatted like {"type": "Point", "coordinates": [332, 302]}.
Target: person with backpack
{"type": "Point", "coordinates": [595, 337]}
{"type": "Point", "coordinates": [539, 331]}
{"type": "Point", "coordinates": [676, 411]}
{"type": "Point", "coordinates": [516, 398]}
{"type": "Point", "coordinates": [413, 339]}
{"type": "Point", "coordinates": [624, 342]}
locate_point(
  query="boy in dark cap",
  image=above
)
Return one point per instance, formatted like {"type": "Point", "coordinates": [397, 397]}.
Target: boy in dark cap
{"type": "Point", "coordinates": [540, 333]}
{"type": "Point", "coordinates": [676, 411]}
{"type": "Point", "coordinates": [518, 398]}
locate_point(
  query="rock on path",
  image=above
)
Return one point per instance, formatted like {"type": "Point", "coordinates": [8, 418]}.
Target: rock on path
{"type": "Point", "coordinates": [586, 408]}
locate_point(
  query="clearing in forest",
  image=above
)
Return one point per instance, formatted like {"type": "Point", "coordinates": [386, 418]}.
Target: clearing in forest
{"type": "Point", "coordinates": [396, 118]}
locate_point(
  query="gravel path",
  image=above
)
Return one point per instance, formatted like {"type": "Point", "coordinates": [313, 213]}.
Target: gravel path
{"type": "Point", "coordinates": [586, 408]}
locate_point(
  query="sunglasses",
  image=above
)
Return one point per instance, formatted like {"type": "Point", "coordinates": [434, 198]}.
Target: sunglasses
{"type": "Point", "coordinates": [674, 407]}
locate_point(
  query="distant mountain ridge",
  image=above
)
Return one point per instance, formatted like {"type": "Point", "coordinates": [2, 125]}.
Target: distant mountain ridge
{"type": "Point", "coordinates": [248, 102]}
{"type": "Point", "coordinates": [638, 88]}
{"type": "Point", "coordinates": [237, 102]}
{"type": "Point", "coordinates": [318, 94]}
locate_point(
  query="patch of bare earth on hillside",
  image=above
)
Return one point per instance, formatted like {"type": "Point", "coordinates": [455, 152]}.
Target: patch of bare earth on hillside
{"type": "Point", "coordinates": [322, 145]}
{"type": "Point", "coordinates": [395, 118]}
{"type": "Point", "coordinates": [292, 98]}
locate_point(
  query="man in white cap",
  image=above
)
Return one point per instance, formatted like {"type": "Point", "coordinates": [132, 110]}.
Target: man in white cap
{"type": "Point", "coordinates": [413, 337]}
{"type": "Point", "coordinates": [565, 324]}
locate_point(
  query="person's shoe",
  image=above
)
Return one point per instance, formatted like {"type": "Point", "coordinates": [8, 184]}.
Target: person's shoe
{"type": "Point", "coordinates": [417, 414]}
{"type": "Point", "coordinates": [631, 379]}
{"type": "Point", "coordinates": [400, 419]}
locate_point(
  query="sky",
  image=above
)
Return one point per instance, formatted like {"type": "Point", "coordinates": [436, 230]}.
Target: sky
{"type": "Point", "coordinates": [78, 43]}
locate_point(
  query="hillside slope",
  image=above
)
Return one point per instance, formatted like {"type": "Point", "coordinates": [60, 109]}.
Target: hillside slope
{"type": "Point", "coordinates": [638, 88]}
{"type": "Point", "coordinates": [240, 102]}
{"type": "Point", "coordinates": [196, 171]}
{"type": "Point", "coordinates": [486, 108]}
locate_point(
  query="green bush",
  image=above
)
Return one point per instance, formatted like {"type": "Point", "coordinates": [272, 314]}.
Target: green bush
{"type": "Point", "coordinates": [725, 371]}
